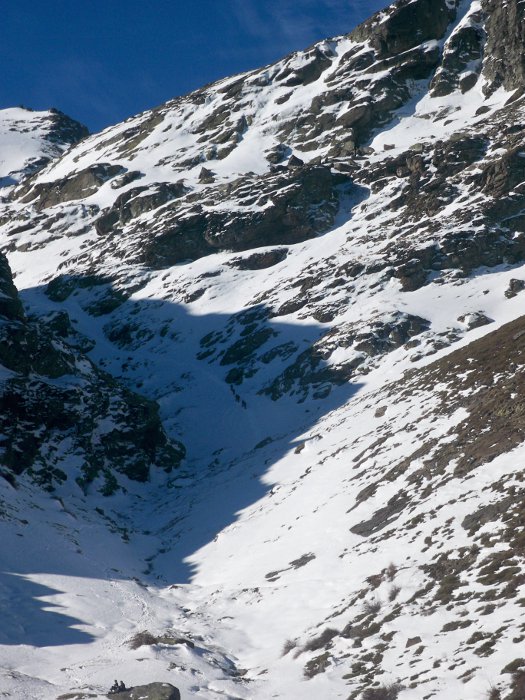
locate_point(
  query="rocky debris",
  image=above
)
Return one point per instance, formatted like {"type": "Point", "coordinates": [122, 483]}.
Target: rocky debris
{"type": "Point", "coordinates": [53, 395]}
{"type": "Point", "coordinates": [151, 691]}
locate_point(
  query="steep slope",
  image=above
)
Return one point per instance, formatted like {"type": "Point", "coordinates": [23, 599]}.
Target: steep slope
{"type": "Point", "coordinates": [316, 270]}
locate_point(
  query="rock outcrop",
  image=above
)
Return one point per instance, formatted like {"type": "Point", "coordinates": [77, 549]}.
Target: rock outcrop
{"type": "Point", "coordinates": [51, 395]}
{"type": "Point", "coordinates": [151, 691]}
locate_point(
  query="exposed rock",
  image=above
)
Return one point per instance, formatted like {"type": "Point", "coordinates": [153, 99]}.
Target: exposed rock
{"type": "Point", "coordinates": [463, 50]}
{"type": "Point", "coordinates": [260, 261]}
{"type": "Point", "coordinates": [505, 49]}
{"type": "Point", "coordinates": [137, 201]}
{"type": "Point", "coordinates": [206, 177]}
{"type": "Point", "coordinates": [126, 179]}
{"type": "Point", "coordinates": [152, 691]}
{"type": "Point", "coordinates": [476, 319]}
{"type": "Point", "coordinates": [515, 287]}
{"type": "Point", "coordinates": [289, 208]}
{"type": "Point", "coordinates": [77, 186]}
{"type": "Point", "coordinates": [408, 24]}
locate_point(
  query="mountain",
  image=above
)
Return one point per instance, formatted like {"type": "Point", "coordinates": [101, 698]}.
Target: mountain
{"type": "Point", "coordinates": [266, 366]}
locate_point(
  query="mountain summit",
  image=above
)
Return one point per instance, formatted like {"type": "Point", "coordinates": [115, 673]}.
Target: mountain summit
{"type": "Point", "coordinates": [263, 377]}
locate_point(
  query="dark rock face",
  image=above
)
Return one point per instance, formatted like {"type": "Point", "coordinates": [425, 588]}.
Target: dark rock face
{"type": "Point", "coordinates": [409, 24]}
{"type": "Point", "coordinates": [80, 185]}
{"type": "Point", "coordinates": [282, 207]}
{"type": "Point", "coordinates": [514, 288]}
{"type": "Point", "coordinates": [137, 201]}
{"type": "Point", "coordinates": [261, 261]}
{"type": "Point", "coordinates": [152, 691]}
{"type": "Point", "coordinates": [505, 50]}
{"type": "Point", "coordinates": [462, 53]}
{"type": "Point", "coordinates": [10, 305]}
{"type": "Point", "coordinates": [52, 394]}
{"type": "Point", "coordinates": [64, 129]}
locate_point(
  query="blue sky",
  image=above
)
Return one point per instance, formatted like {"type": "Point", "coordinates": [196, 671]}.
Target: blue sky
{"type": "Point", "coordinates": [103, 60]}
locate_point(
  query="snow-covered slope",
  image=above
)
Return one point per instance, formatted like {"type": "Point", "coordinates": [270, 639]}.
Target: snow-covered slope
{"type": "Point", "coordinates": [315, 270]}
{"type": "Point", "coordinates": [29, 140]}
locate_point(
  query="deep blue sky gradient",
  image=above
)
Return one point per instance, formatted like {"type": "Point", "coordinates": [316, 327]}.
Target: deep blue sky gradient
{"type": "Point", "coordinates": [101, 61]}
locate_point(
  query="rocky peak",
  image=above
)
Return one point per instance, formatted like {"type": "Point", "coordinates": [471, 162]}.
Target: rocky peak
{"type": "Point", "coordinates": [29, 140]}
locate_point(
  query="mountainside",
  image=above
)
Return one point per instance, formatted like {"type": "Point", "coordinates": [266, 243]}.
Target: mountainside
{"type": "Point", "coordinates": [262, 380]}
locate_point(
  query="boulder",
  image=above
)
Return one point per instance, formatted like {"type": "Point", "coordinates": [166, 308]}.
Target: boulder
{"type": "Point", "coordinates": [515, 287]}
{"type": "Point", "coordinates": [152, 691]}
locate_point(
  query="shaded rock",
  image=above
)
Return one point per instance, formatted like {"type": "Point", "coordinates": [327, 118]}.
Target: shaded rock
{"type": "Point", "coordinates": [274, 208]}
{"type": "Point", "coordinates": [295, 162]}
{"type": "Point", "coordinates": [278, 154]}
{"type": "Point", "coordinates": [53, 395]}
{"type": "Point", "coordinates": [10, 304]}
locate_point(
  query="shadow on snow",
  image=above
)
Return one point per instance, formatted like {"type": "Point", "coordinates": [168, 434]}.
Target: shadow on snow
{"type": "Point", "coordinates": [233, 433]}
